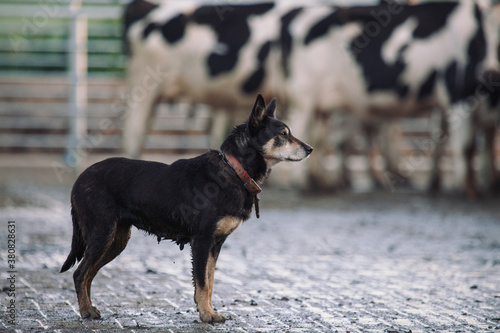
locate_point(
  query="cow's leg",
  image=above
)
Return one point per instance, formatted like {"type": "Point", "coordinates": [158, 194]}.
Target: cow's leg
{"type": "Point", "coordinates": [319, 171]}
{"type": "Point", "coordinates": [379, 136]}
{"type": "Point", "coordinates": [142, 95]}
{"type": "Point", "coordinates": [388, 143]}
{"type": "Point", "coordinates": [371, 134]}
{"type": "Point", "coordinates": [342, 129]}
{"type": "Point", "coordinates": [462, 139]}
{"type": "Point", "coordinates": [438, 131]}
{"type": "Point", "coordinates": [490, 133]}
{"type": "Point", "coordinates": [487, 167]}
{"type": "Point", "coordinates": [470, 183]}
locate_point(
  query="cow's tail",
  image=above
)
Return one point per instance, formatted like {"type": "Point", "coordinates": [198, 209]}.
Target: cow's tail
{"type": "Point", "coordinates": [77, 245]}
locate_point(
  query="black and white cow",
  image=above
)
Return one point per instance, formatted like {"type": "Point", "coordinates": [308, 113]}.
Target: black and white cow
{"type": "Point", "coordinates": [389, 60]}
{"type": "Point", "coordinates": [382, 61]}
{"type": "Point", "coordinates": [219, 55]}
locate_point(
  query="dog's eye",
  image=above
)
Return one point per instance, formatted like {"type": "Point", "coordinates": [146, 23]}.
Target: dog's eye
{"type": "Point", "coordinates": [284, 134]}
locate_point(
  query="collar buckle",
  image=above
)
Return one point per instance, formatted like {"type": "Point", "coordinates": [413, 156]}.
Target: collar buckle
{"type": "Point", "coordinates": [250, 184]}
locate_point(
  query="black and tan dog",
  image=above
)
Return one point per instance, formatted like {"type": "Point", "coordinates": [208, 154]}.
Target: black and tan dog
{"type": "Point", "coordinates": [198, 201]}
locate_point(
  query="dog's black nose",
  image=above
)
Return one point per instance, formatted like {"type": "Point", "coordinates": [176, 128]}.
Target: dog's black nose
{"type": "Point", "coordinates": [309, 149]}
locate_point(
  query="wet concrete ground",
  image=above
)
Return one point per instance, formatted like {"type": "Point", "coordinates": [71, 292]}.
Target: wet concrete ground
{"type": "Point", "coordinates": [379, 262]}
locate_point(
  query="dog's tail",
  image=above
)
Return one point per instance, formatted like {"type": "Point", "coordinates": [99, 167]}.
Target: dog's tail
{"type": "Point", "coordinates": [77, 245]}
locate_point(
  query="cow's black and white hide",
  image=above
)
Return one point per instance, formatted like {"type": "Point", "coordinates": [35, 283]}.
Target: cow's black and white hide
{"type": "Point", "coordinates": [377, 62]}
{"type": "Point", "coordinates": [388, 61]}
{"type": "Point", "coordinates": [219, 55]}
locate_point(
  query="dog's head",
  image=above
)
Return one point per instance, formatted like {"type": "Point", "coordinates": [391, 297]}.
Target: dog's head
{"type": "Point", "coordinates": [273, 138]}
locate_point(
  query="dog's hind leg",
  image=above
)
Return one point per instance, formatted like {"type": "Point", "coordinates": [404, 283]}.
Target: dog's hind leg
{"type": "Point", "coordinates": [101, 251]}
{"type": "Point", "coordinates": [205, 254]}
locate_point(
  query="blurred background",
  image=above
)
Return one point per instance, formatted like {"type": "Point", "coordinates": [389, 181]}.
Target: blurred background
{"type": "Point", "coordinates": [53, 59]}
{"type": "Point", "coordinates": [63, 75]}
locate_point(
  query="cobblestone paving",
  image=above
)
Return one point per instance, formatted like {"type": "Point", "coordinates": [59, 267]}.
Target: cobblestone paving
{"type": "Point", "coordinates": [375, 262]}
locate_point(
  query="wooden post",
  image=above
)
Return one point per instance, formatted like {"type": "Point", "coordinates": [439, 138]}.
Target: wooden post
{"type": "Point", "coordinates": [77, 76]}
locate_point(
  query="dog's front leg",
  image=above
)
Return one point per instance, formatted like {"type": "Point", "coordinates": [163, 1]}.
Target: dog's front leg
{"type": "Point", "coordinates": [205, 254]}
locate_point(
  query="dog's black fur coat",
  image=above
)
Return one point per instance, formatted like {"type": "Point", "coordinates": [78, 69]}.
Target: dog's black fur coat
{"type": "Point", "coordinates": [183, 202]}
{"type": "Point", "coordinates": [168, 201]}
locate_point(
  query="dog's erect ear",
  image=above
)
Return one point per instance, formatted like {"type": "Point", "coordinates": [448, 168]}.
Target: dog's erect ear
{"type": "Point", "coordinates": [258, 113]}
{"type": "Point", "coordinates": [271, 108]}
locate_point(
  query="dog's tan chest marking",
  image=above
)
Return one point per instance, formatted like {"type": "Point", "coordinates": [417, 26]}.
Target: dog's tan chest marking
{"type": "Point", "coordinates": [227, 225]}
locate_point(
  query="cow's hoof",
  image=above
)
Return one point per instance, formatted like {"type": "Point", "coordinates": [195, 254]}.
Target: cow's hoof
{"type": "Point", "coordinates": [90, 313]}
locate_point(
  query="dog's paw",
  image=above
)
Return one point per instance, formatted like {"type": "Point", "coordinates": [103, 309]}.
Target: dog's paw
{"type": "Point", "coordinates": [90, 313]}
{"type": "Point", "coordinates": [218, 318]}
{"type": "Point", "coordinates": [212, 317]}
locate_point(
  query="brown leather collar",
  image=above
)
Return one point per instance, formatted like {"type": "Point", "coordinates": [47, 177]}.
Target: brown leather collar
{"type": "Point", "coordinates": [250, 184]}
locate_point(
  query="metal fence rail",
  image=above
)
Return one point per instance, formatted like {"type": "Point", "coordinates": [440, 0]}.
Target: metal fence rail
{"type": "Point", "coordinates": [27, 20]}
{"type": "Point", "coordinates": [61, 78]}
{"type": "Point", "coordinates": [34, 36]}
{"type": "Point", "coordinates": [34, 118]}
